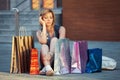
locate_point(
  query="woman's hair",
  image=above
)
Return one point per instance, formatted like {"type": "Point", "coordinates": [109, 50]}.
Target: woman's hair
{"type": "Point", "coordinates": [45, 11]}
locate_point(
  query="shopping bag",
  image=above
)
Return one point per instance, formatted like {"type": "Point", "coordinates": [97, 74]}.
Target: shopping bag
{"type": "Point", "coordinates": [20, 55]}
{"type": "Point", "coordinates": [108, 63]}
{"type": "Point", "coordinates": [34, 64]}
{"type": "Point", "coordinates": [78, 50]}
{"type": "Point", "coordinates": [75, 58]}
{"type": "Point", "coordinates": [83, 47]}
{"type": "Point", "coordinates": [62, 59]}
{"type": "Point", "coordinates": [94, 63]}
{"type": "Point", "coordinates": [14, 66]}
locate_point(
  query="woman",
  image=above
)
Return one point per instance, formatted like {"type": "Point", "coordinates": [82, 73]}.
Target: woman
{"type": "Point", "coordinates": [47, 37]}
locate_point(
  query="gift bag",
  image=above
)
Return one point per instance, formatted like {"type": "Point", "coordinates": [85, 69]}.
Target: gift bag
{"type": "Point", "coordinates": [34, 63]}
{"type": "Point", "coordinates": [62, 59]}
{"type": "Point", "coordinates": [83, 47]}
{"type": "Point", "coordinates": [20, 55]}
{"type": "Point", "coordinates": [78, 50]}
{"type": "Point", "coordinates": [94, 62]}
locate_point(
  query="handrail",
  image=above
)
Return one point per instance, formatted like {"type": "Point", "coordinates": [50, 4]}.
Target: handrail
{"type": "Point", "coordinates": [20, 3]}
{"type": "Point", "coordinates": [16, 20]}
{"type": "Point", "coordinates": [16, 9]}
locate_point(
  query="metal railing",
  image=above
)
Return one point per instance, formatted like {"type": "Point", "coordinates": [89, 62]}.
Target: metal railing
{"type": "Point", "coordinates": [17, 16]}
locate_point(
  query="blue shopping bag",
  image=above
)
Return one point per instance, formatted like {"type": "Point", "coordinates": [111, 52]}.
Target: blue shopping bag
{"type": "Point", "coordinates": [94, 63]}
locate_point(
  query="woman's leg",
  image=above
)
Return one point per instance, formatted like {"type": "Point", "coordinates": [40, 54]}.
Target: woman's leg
{"type": "Point", "coordinates": [45, 57]}
{"type": "Point", "coordinates": [52, 50]}
{"type": "Point", "coordinates": [62, 32]}
{"type": "Point", "coordinates": [52, 45]}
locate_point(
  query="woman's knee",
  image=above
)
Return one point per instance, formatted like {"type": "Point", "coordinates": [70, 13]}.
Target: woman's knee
{"type": "Point", "coordinates": [53, 42]}
{"type": "Point", "coordinates": [62, 32]}
{"type": "Point", "coordinates": [54, 39]}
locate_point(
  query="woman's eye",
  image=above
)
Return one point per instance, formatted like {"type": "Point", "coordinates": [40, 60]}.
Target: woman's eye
{"type": "Point", "coordinates": [45, 17]}
{"type": "Point", "coordinates": [51, 18]}
{"type": "Point", "coordinates": [48, 17]}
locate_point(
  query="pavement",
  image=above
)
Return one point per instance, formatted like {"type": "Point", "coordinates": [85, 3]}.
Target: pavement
{"type": "Point", "coordinates": [104, 75]}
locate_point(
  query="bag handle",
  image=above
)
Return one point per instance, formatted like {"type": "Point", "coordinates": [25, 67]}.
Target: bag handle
{"type": "Point", "coordinates": [93, 58]}
{"type": "Point", "coordinates": [22, 31]}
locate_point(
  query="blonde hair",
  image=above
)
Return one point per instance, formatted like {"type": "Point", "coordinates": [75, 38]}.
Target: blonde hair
{"type": "Point", "coordinates": [45, 11]}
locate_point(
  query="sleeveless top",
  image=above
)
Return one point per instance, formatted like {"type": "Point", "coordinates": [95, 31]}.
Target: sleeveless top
{"type": "Point", "coordinates": [56, 34]}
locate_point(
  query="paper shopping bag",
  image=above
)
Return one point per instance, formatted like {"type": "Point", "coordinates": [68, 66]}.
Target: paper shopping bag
{"type": "Point", "coordinates": [62, 60]}
{"type": "Point", "coordinates": [79, 56]}
{"type": "Point", "coordinates": [20, 55]}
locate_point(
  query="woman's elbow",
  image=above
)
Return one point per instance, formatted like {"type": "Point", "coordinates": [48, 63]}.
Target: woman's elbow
{"type": "Point", "coordinates": [43, 41]}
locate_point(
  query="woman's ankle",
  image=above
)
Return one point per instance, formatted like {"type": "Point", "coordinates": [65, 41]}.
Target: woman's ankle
{"type": "Point", "coordinates": [48, 68]}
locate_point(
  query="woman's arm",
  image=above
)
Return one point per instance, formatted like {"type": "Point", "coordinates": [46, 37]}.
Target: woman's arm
{"type": "Point", "coordinates": [42, 36]}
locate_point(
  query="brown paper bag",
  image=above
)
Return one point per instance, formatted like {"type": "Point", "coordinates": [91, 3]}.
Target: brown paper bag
{"type": "Point", "coordinates": [20, 55]}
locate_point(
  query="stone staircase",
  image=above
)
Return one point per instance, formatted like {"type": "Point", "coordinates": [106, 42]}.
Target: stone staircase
{"type": "Point", "coordinates": [6, 26]}
{"type": "Point", "coordinates": [28, 19]}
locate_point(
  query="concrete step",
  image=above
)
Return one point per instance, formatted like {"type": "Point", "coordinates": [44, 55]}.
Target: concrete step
{"type": "Point", "coordinates": [5, 57]}
{"type": "Point", "coordinates": [5, 62]}
{"type": "Point", "coordinates": [7, 31]}
{"type": "Point", "coordinates": [7, 26]}
{"type": "Point", "coordinates": [6, 38]}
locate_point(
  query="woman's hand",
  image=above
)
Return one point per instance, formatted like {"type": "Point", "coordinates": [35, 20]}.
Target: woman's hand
{"type": "Point", "coordinates": [41, 20]}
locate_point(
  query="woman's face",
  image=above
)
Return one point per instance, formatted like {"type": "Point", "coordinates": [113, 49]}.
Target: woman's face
{"type": "Point", "coordinates": [48, 18]}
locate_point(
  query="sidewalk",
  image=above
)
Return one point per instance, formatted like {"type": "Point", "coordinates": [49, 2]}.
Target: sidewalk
{"type": "Point", "coordinates": [104, 75]}
{"type": "Point", "coordinates": [110, 49]}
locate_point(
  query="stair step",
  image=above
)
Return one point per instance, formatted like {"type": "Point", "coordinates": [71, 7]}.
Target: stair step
{"type": "Point", "coordinates": [4, 47]}
{"type": "Point", "coordinates": [6, 38]}
{"type": "Point", "coordinates": [7, 31]}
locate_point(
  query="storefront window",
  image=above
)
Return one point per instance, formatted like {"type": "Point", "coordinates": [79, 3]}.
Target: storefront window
{"type": "Point", "coordinates": [35, 4]}
{"type": "Point", "coordinates": [51, 4]}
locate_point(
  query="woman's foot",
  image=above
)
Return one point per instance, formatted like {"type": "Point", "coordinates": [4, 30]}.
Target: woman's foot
{"type": "Point", "coordinates": [43, 71]}
{"type": "Point", "coordinates": [49, 73]}
{"type": "Point", "coordinates": [49, 70]}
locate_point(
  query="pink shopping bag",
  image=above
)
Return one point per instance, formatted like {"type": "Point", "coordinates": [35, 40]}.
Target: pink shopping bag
{"type": "Point", "coordinates": [78, 50]}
